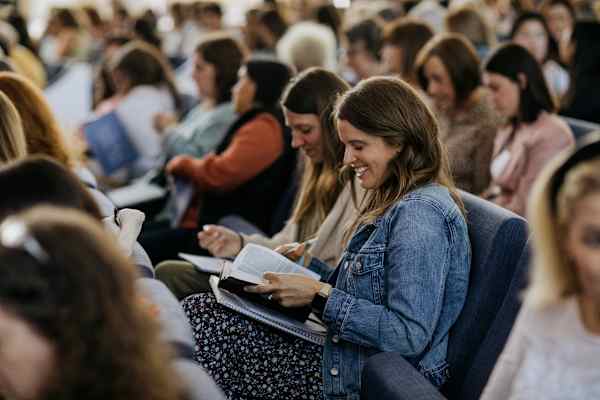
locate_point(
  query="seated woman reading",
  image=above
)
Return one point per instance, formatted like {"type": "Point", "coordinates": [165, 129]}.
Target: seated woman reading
{"type": "Point", "coordinates": [399, 285]}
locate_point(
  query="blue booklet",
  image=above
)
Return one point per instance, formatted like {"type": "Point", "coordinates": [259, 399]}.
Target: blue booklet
{"type": "Point", "coordinates": [109, 142]}
{"type": "Point", "coordinates": [182, 192]}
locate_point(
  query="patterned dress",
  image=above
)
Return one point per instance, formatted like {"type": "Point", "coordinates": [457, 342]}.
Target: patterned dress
{"type": "Point", "coordinates": [250, 360]}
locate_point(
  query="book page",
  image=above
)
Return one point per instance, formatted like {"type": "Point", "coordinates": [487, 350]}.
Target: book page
{"type": "Point", "coordinates": [256, 260]}
{"type": "Point", "coordinates": [210, 265]}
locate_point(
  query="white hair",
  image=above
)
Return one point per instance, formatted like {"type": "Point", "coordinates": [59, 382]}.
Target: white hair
{"type": "Point", "coordinates": [308, 44]}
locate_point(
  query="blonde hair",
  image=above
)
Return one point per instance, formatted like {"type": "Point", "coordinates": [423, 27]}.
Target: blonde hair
{"type": "Point", "coordinates": [42, 132]}
{"type": "Point", "coordinates": [552, 276]}
{"type": "Point", "coordinates": [12, 139]}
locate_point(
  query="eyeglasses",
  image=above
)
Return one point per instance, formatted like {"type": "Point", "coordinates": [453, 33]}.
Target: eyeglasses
{"type": "Point", "coordinates": [14, 234]}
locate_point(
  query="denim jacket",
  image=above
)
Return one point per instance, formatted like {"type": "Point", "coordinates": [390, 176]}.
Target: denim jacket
{"type": "Point", "coordinates": [401, 284]}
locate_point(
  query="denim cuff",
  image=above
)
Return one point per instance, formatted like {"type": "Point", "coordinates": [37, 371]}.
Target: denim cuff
{"type": "Point", "coordinates": [336, 309]}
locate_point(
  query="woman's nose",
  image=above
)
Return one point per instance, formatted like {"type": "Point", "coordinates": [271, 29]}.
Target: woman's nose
{"type": "Point", "coordinates": [348, 156]}
{"type": "Point", "coordinates": [296, 141]}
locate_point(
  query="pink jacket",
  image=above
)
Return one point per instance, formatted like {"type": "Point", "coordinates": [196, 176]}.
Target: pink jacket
{"type": "Point", "coordinates": [518, 161]}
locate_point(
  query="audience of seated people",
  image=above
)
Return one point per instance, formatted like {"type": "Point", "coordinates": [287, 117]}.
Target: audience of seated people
{"type": "Point", "coordinates": [448, 70]}
{"type": "Point", "coordinates": [217, 107]}
{"type": "Point", "coordinates": [531, 135]}
{"type": "Point", "coordinates": [324, 207]}
{"type": "Point", "coordinates": [399, 285]}
{"type": "Point", "coordinates": [247, 173]}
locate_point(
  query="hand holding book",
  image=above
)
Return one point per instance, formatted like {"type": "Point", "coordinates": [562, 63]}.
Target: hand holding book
{"type": "Point", "coordinates": [289, 290]}
{"type": "Point", "coordinates": [252, 267]}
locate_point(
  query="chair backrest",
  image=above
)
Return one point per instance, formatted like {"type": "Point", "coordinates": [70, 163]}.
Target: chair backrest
{"type": "Point", "coordinates": [579, 127]}
{"type": "Point", "coordinates": [499, 260]}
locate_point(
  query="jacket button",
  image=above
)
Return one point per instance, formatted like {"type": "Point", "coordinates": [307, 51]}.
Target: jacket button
{"type": "Point", "coordinates": [335, 338]}
{"type": "Point", "coordinates": [334, 371]}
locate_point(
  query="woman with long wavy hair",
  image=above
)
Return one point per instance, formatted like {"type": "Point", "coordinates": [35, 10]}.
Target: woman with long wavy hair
{"type": "Point", "coordinates": [399, 285]}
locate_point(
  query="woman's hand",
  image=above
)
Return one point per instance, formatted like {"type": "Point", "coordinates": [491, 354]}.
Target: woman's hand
{"type": "Point", "coordinates": [290, 290]}
{"type": "Point", "coordinates": [179, 164]}
{"type": "Point", "coordinates": [164, 120]}
{"type": "Point", "coordinates": [293, 251]}
{"type": "Point", "coordinates": [220, 241]}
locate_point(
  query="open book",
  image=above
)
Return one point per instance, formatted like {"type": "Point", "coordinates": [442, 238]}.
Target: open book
{"type": "Point", "coordinates": [249, 265]}
{"type": "Point", "coordinates": [310, 330]}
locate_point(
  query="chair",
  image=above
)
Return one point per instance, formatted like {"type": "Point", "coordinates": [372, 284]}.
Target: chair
{"type": "Point", "coordinates": [580, 127]}
{"type": "Point", "coordinates": [500, 256]}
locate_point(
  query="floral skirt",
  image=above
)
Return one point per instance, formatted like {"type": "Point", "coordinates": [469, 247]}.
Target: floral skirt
{"type": "Point", "coordinates": [250, 360]}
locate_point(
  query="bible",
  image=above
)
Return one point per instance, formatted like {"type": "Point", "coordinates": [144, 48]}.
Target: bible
{"type": "Point", "coordinates": [248, 269]}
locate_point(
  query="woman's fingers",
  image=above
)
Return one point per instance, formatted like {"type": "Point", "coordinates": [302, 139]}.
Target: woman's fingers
{"type": "Point", "coordinates": [261, 289]}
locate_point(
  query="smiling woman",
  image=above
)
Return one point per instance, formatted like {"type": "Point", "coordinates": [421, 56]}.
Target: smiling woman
{"type": "Point", "coordinates": [399, 285]}
{"type": "Point", "coordinates": [448, 70]}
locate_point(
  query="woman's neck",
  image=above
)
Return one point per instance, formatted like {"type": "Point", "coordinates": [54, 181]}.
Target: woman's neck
{"type": "Point", "coordinates": [590, 314]}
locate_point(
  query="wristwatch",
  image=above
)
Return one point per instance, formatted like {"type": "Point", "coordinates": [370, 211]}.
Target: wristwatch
{"type": "Point", "coordinates": [320, 299]}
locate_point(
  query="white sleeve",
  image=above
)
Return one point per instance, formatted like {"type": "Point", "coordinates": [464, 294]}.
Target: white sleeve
{"type": "Point", "coordinates": [500, 384]}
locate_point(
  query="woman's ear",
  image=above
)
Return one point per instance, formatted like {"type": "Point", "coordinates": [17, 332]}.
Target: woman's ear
{"type": "Point", "coordinates": [522, 80]}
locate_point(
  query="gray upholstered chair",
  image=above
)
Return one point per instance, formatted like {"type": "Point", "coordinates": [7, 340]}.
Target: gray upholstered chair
{"type": "Point", "coordinates": [500, 256]}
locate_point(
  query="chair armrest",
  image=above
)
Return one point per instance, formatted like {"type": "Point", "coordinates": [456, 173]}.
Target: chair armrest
{"type": "Point", "coordinates": [388, 376]}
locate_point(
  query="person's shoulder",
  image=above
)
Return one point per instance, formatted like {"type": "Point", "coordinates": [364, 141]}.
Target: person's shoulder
{"type": "Point", "coordinates": [433, 197]}
{"type": "Point", "coordinates": [553, 125]}
{"type": "Point", "coordinates": [264, 122]}
{"type": "Point", "coordinates": [552, 319]}
{"type": "Point", "coordinates": [224, 112]}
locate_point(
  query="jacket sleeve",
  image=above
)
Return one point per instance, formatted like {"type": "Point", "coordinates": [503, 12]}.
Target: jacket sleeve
{"type": "Point", "coordinates": [416, 267]}
{"type": "Point", "coordinates": [253, 149]}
